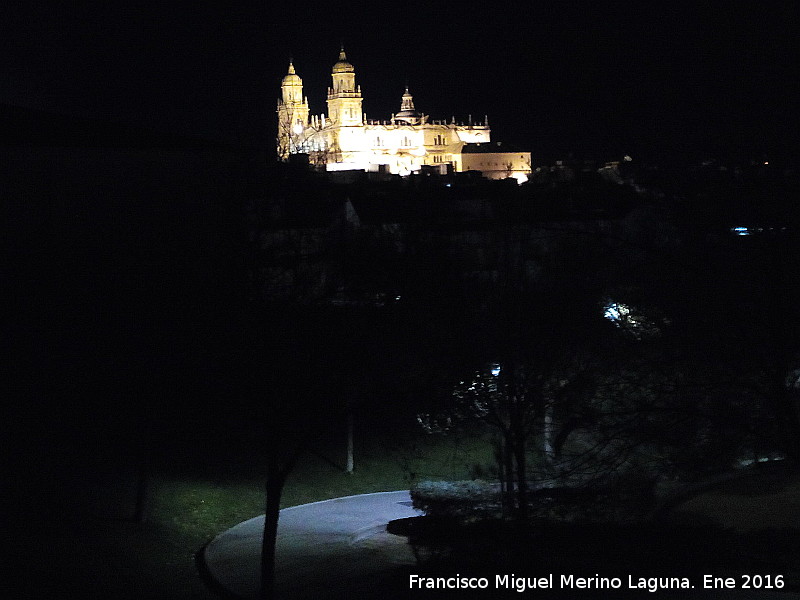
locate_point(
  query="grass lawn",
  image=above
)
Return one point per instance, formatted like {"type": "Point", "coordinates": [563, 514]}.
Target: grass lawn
{"type": "Point", "coordinates": [763, 509]}
{"type": "Point", "coordinates": [764, 500]}
{"type": "Point", "coordinates": [100, 553]}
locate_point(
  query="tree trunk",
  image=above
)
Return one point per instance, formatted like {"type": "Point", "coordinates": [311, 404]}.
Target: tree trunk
{"type": "Point", "coordinates": [142, 472]}
{"type": "Point", "coordinates": [503, 475]}
{"type": "Point", "coordinates": [548, 433]}
{"type": "Point", "coordinates": [140, 507]}
{"type": "Point", "coordinates": [517, 438]}
{"type": "Point", "coordinates": [274, 489]}
{"type": "Point", "coordinates": [349, 467]}
{"type": "Point", "coordinates": [522, 480]}
{"type": "Point", "coordinates": [508, 455]}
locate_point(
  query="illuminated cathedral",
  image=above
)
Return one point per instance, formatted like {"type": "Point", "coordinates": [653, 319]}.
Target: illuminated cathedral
{"type": "Point", "coordinates": [407, 142]}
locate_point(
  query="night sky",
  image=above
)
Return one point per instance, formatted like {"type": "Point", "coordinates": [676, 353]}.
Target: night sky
{"type": "Point", "coordinates": [555, 78]}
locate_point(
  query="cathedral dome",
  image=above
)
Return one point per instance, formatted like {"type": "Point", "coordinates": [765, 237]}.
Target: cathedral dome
{"type": "Point", "coordinates": [408, 113]}
{"type": "Point", "coordinates": [291, 78]}
{"type": "Point", "coordinates": [342, 66]}
{"type": "Point", "coordinates": [409, 116]}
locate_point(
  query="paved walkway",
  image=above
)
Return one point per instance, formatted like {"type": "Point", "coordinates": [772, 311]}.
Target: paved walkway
{"type": "Point", "coordinates": [338, 544]}
{"type": "Point", "coordinates": [339, 548]}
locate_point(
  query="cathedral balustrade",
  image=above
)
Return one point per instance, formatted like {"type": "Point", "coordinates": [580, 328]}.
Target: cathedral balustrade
{"type": "Point", "coordinates": [341, 94]}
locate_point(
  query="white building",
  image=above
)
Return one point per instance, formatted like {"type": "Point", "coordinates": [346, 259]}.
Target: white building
{"type": "Point", "coordinates": [346, 140]}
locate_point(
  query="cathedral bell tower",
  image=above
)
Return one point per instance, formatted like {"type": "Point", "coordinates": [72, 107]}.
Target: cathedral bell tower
{"type": "Point", "coordinates": [344, 98]}
{"type": "Point", "coordinates": [292, 114]}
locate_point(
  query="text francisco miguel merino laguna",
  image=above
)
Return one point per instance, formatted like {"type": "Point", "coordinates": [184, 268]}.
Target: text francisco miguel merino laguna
{"type": "Point", "coordinates": [651, 584]}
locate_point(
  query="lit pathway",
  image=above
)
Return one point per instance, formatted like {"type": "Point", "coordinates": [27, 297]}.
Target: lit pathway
{"type": "Point", "coordinates": [333, 545]}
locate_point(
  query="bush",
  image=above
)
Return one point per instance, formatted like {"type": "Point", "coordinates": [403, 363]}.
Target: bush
{"type": "Point", "coordinates": [546, 545]}
{"type": "Point", "coordinates": [462, 500]}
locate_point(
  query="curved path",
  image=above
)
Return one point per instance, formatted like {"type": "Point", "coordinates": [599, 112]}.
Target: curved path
{"type": "Point", "coordinates": [339, 548]}
{"type": "Point", "coordinates": [333, 545]}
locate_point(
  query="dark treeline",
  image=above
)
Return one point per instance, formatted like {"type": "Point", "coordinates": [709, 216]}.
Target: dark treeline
{"type": "Point", "coordinates": [135, 274]}
{"type": "Point", "coordinates": [193, 302]}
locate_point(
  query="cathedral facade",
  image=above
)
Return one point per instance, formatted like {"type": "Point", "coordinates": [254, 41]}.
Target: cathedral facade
{"type": "Point", "coordinates": [345, 139]}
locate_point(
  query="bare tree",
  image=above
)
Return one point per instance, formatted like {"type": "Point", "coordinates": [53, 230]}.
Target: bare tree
{"type": "Point", "coordinates": [315, 140]}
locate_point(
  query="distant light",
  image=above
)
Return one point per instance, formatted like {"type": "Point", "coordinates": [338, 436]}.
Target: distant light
{"type": "Point", "coordinates": [766, 162]}
{"type": "Point", "coordinates": [448, 185]}
{"type": "Point", "coordinates": [762, 459]}
{"type": "Point", "coordinates": [740, 230]}
{"type": "Point", "coordinates": [616, 312]}
{"type": "Point", "coordinates": [495, 369]}
{"type": "Point", "coordinates": [632, 320]}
